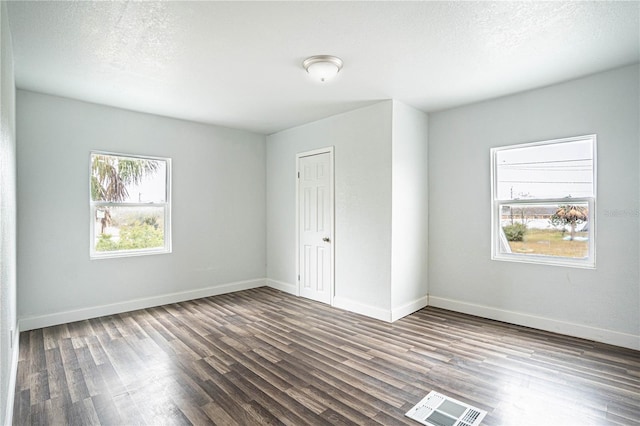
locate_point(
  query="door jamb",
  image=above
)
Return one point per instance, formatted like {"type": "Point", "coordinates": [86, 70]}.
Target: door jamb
{"type": "Point", "coordinates": [326, 150]}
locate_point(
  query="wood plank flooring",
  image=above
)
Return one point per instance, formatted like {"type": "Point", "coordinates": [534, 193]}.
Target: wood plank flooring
{"type": "Point", "coordinates": [264, 357]}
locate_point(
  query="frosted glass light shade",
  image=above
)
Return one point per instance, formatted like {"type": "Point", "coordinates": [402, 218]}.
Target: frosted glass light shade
{"type": "Point", "coordinates": [322, 67]}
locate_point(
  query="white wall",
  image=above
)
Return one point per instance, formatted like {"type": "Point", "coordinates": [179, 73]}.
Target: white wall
{"type": "Point", "coordinates": [362, 245]}
{"type": "Point", "coordinates": [409, 210]}
{"type": "Point", "coordinates": [8, 324]}
{"type": "Point", "coordinates": [218, 211]}
{"type": "Point", "coordinates": [601, 304]}
{"type": "Point", "coordinates": [380, 207]}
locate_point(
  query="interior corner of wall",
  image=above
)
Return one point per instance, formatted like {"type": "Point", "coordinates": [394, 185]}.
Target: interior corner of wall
{"type": "Point", "coordinates": [13, 374]}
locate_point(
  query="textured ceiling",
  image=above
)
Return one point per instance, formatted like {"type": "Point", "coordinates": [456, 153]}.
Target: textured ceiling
{"type": "Point", "coordinates": [238, 64]}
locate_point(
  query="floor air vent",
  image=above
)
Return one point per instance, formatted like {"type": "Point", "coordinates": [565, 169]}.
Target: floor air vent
{"type": "Point", "coordinates": [436, 409]}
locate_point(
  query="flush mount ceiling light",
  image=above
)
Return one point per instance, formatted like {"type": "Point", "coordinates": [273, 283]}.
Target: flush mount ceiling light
{"type": "Point", "coordinates": [322, 67]}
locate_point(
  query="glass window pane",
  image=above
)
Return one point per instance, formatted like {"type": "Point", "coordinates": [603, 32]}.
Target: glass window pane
{"type": "Point", "coordinates": [546, 229]}
{"type": "Point", "coordinates": [128, 179]}
{"type": "Point", "coordinates": [128, 228]}
{"type": "Point", "coordinates": [553, 170]}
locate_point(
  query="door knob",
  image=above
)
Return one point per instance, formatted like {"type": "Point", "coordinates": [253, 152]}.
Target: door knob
{"type": "Point", "coordinates": [326, 240]}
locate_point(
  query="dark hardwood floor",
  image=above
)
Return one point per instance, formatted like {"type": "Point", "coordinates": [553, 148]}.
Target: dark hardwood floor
{"type": "Point", "coordinates": [264, 357]}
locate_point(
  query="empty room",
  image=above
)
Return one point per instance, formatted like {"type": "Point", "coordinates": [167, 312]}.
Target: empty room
{"type": "Point", "coordinates": [322, 213]}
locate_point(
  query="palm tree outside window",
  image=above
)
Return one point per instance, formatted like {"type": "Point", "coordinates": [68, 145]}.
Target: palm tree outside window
{"type": "Point", "coordinates": [543, 202]}
{"type": "Point", "coordinates": [130, 206]}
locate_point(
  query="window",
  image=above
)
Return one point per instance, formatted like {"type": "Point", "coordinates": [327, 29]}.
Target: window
{"type": "Point", "coordinates": [130, 205]}
{"type": "Point", "coordinates": [543, 202]}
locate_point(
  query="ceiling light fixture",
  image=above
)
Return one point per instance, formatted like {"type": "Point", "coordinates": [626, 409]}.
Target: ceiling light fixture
{"type": "Point", "coordinates": [322, 67]}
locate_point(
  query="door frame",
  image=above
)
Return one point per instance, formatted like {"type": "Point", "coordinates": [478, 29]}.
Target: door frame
{"type": "Point", "coordinates": [326, 150]}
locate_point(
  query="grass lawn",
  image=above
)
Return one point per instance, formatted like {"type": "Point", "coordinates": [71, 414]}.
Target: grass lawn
{"type": "Point", "coordinates": [550, 242]}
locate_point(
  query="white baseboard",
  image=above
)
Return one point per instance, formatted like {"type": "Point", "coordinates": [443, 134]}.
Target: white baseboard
{"type": "Point", "coordinates": [362, 309]}
{"type": "Point", "coordinates": [357, 307]}
{"type": "Point", "coordinates": [409, 308]}
{"type": "Point", "coordinates": [13, 373]}
{"type": "Point", "coordinates": [571, 329]}
{"type": "Point", "coordinates": [282, 286]}
{"type": "Point", "coordinates": [34, 322]}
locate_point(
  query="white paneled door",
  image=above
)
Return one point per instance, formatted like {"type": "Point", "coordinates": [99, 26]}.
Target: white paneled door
{"type": "Point", "coordinates": [315, 225]}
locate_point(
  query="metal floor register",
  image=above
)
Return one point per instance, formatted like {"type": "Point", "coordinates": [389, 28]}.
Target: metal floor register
{"type": "Point", "coordinates": [436, 409]}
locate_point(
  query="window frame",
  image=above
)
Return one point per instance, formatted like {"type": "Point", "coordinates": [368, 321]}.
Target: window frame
{"type": "Point", "coordinates": [497, 233]}
{"type": "Point", "coordinates": [166, 205]}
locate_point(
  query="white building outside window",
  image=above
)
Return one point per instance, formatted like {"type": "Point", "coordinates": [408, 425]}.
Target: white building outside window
{"type": "Point", "coordinates": [543, 202]}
